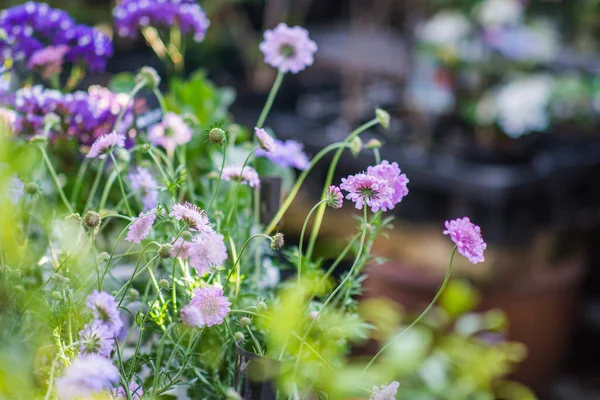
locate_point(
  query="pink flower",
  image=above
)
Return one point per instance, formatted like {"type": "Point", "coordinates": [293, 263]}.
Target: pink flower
{"type": "Point", "coordinates": [181, 248]}
{"type": "Point", "coordinates": [8, 117]}
{"type": "Point", "coordinates": [171, 132]}
{"type": "Point", "coordinates": [105, 143]}
{"type": "Point", "coordinates": [141, 227]}
{"type": "Point", "coordinates": [49, 60]}
{"type": "Point", "coordinates": [193, 216]}
{"type": "Point", "coordinates": [87, 377]}
{"type": "Point", "coordinates": [248, 176]}
{"type": "Point", "coordinates": [288, 49]}
{"type": "Point", "coordinates": [397, 181]}
{"type": "Point", "coordinates": [143, 182]}
{"type": "Point", "coordinates": [265, 141]}
{"type": "Point", "coordinates": [367, 189]}
{"type": "Point", "coordinates": [208, 307]}
{"type": "Point", "coordinates": [206, 252]}
{"type": "Point", "coordinates": [334, 197]}
{"type": "Point", "coordinates": [467, 237]}
{"type": "Point", "coordinates": [385, 392]}
{"type": "Point", "coordinates": [96, 338]}
{"type": "Point", "coordinates": [105, 310]}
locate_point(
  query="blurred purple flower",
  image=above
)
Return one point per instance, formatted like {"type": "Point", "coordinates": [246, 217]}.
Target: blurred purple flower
{"type": "Point", "coordinates": [141, 227]}
{"type": "Point", "coordinates": [86, 376]}
{"type": "Point", "coordinates": [286, 154]}
{"type": "Point", "coordinates": [248, 176]}
{"type": "Point", "coordinates": [385, 392]}
{"type": "Point", "coordinates": [17, 189]}
{"type": "Point", "coordinates": [266, 142]}
{"type": "Point", "coordinates": [289, 49]}
{"type": "Point", "coordinates": [467, 237]}
{"type": "Point", "coordinates": [207, 252]}
{"type": "Point", "coordinates": [171, 132]}
{"type": "Point", "coordinates": [49, 60]}
{"type": "Point", "coordinates": [135, 390]}
{"type": "Point", "coordinates": [208, 307]}
{"type": "Point", "coordinates": [334, 197]}
{"type": "Point", "coordinates": [143, 182]}
{"type": "Point", "coordinates": [96, 338]}
{"type": "Point", "coordinates": [105, 144]}
{"type": "Point", "coordinates": [104, 308]}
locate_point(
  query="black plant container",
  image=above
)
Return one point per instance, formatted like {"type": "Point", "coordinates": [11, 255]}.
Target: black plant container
{"type": "Point", "coordinates": [256, 376]}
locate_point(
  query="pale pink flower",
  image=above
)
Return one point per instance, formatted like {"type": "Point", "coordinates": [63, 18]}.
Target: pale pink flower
{"type": "Point", "coordinates": [171, 132]}
{"type": "Point", "coordinates": [248, 176]}
{"type": "Point", "coordinates": [193, 216]}
{"type": "Point", "coordinates": [141, 227]}
{"type": "Point", "coordinates": [208, 307]}
{"type": "Point", "coordinates": [289, 49]}
{"type": "Point", "coordinates": [265, 141]}
{"type": "Point", "coordinates": [368, 189]}
{"type": "Point", "coordinates": [392, 174]}
{"type": "Point", "coordinates": [334, 197]}
{"type": "Point", "coordinates": [385, 392]}
{"type": "Point", "coordinates": [206, 252]}
{"type": "Point", "coordinates": [105, 144]}
{"type": "Point", "coordinates": [8, 117]}
{"type": "Point", "coordinates": [181, 248]}
{"type": "Point", "coordinates": [467, 237]}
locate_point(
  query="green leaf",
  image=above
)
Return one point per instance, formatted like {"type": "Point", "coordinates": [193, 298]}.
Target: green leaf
{"type": "Point", "coordinates": [122, 83]}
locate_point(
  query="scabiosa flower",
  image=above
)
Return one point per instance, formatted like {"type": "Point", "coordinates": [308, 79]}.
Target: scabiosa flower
{"type": "Point", "coordinates": [193, 216]}
{"type": "Point", "coordinates": [17, 189]}
{"type": "Point", "coordinates": [206, 252]}
{"type": "Point", "coordinates": [96, 338]}
{"type": "Point", "coordinates": [87, 376]}
{"type": "Point", "coordinates": [396, 180]}
{"type": "Point", "coordinates": [49, 60]}
{"type": "Point", "coordinates": [248, 176]}
{"type": "Point", "coordinates": [104, 308]}
{"type": "Point", "coordinates": [334, 197]}
{"type": "Point", "coordinates": [208, 307]}
{"type": "Point", "coordinates": [368, 189]}
{"type": "Point", "coordinates": [135, 390]}
{"type": "Point", "coordinates": [143, 182]}
{"type": "Point", "coordinates": [467, 237]}
{"type": "Point", "coordinates": [141, 227]}
{"type": "Point", "coordinates": [105, 144]}
{"type": "Point", "coordinates": [265, 141]}
{"type": "Point", "coordinates": [181, 248]}
{"type": "Point", "coordinates": [170, 133]}
{"type": "Point", "coordinates": [288, 49]}
{"type": "Point", "coordinates": [286, 154]}
{"type": "Point", "coordinates": [385, 392]}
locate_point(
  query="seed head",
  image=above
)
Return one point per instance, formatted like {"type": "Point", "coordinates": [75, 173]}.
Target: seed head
{"type": "Point", "coordinates": [149, 76]}
{"type": "Point", "coordinates": [239, 337]}
{"type": "Point", "coordinates": [32, 188]}
{"type": "Point", "coordinates": [165, 251]}
{"type": "Point", "coordinates": [163, 284]}
{"type": "Point", "coordinates": [277, 241]}
{"type": "Point", "coordinates": [245, 321]}
{"type": "Point", "coordinates": [383, 117]}
{"type": "Point", "coordinates": [92, 219]}
{"type": "Point", "coordinates": [217, 136]}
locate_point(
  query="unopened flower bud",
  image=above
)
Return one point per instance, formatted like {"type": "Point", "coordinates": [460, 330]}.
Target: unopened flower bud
{"type": "Point", "coordinates": [145, 148]}
{"type": "Point", "coordinates": [51, 120]}
{"type": "Point", "coordinates": [134, 294]}
{"type": "Point", "coordinates": [373, 144]}
{"type": "Point", "coordinates": [103, 257]}
{"type": "Point", "coordinates": [277, 241]}
{"type": "Point", "coordinates": [231, 394]}
{"type": "Point", "coordinates": [261, 306]}
{"type": "Point", "coordinates": [38, 139]}
{"type": "Point", "coordinates": [239, 337]}
{"type": "Point", "coordinates": [56, 295]}
{"type": "Point", "coordinates": [216, 136]}
{"type": "Point", "coordinates": [356, 146]}
{"type": "Point", "coordinates": [219, 214]}
{"type": "Point", "coordinates": [163, 284]}
{"type": "Point", "coordinates": [32, 188]}
{"type": "Point", "coordinates": [383, 117]}
{"type": "Point", "coordinates": [92, 219]}
{"type": "Point", "coordinates": [190, 120]}
{"type": "Point", "coordinates": [123, 155]}
{"type": "Point", "coordinates": [213, 175]}
{"type": "Point", "coordinates": [149, 77]}
{"type": "Point", "coordinates": [245, 321]}
{"type": "Point", "coordinates": [187, 236]}
{"type": "Point", "coordinates": [165, 251]}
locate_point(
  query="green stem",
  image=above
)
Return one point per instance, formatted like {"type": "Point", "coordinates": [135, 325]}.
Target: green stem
{"type": "Point", "coordinates": [114, 160]}
{"type": "Point", "coordinates": [257, 252]}
{"type": "Point", "coordinates": [92, 193]}
{"type": "Point", "coordinates": [107, 186]}
{"type": "Point", "coordinates": [256, 343]}
{"type": "Point", "coordinates": [160, 168]}
{"type": "Point", "coordinates": [237, 187]}
{"type": "Point", "coordinates": [270, 99]}
{"type": "Point", "coordinates": [239, 256]}
{"type": "Point", "coordinates": [61, 193]}
{"type": "Point", "coordinates": [161, 100]}
{"type": "Point", "coordinates": [218, 180]}
{"type": "Point", "coordinates": [132, 94]}
{"type": "Point", "coordinates": [306, 221]}
{"type": "Point", "coordinates": [423, 314]}
{"type": "Point", "coordinates": [377, 155]}
{"type": "Point", "coordinates": [79, 180]}
{"type": "Point", "coordinates": [334, 162]}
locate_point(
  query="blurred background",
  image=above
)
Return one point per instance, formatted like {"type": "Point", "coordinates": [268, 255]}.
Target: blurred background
{"type": "Point", "coordinates": [495, 110]}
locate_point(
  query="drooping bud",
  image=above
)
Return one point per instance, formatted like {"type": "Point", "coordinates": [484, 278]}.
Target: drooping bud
{"type": "Point", "coordinates": [187, 236]}
{"type": "Point", "coordinates": [163, 284]}
{"type": "Point", "coordinates": [383, 117]}
{"type": "Point", "coordinates": [356, 146]}
{"type": "Point", "coordinates": [373, 144]}
{"type": "Point", "coordinates": [190, 120]}
{"type": "Point", "coordinates": [261, 306]}
{"type": "Point", "coordinates": [239, 337]}
{"type": "Point", "coordinates": [123, 156]}
{"type": "Point", "coordinates": [277, 241]}
{"type": "Point", "coordinates": [165, 251]}
{"type": "Point", "coordinates": [149, 77]}
{"type": "Point", "coordinates": [245, 321]}
{"type": "Point", "coordinates": [92, 219]}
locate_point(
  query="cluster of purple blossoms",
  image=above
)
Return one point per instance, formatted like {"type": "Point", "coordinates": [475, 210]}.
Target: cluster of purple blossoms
{"type": "Point", "coordinates": [203, 252]}
{"type": "Point", "coordinates": [141, 227]}
{"type": "Point", "coordinates": [32, 27]}
{"type": "Point", "coordinates": [105, 144]}
{"type": "Point", "coordinates": [247, 176]}
{"type": "Point", "coordinates": [171, 132]}
{"type": "Point", "coordinates": [48, 61]}
{"type": "Point", "coordinates": [104, 309]}
{"type": "Point", "coordinates": [133, 15]}
{"type": "Point", "coordinates": [31, 105]}
{"type": "Point", "coordinates": [288, 49]}
{"type": "Point", "coordinates": [142, 181]}
{"type": "Point", "coordinates": [286, 154]}
{"type": "Point", "coordinates": [381, 187]}
{"type": "Point", "coordinates": [87, 376]}
{"type": "Point", "coordinates": [208, 307]}
{"type": "Point", "coordinates": [467, 237]}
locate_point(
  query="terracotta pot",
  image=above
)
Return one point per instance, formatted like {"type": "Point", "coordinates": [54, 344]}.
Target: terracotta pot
{"type": "Point", "coordinates": [540, 307]}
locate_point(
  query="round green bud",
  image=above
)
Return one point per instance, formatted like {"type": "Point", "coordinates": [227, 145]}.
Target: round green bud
{"type": "Point", "coordinates": [123, 155]}
{"type": "Point", "coordinates": [187, 236]}
{"type": "Point", "coordinates": [217, 136]}
{"type": "Point", "coordinates": [190, 120]}
{"type": "Point", "coordinates": [356, 146]}
{"type": "Point", "coordinates": [245, 321]}
{"type": "Point", "coordinates": [134, 294]}
{"type": "Point", "coordinates": [261, 306]}
{"type": "Point", "coordinates": [32, 188]}
{"type": "Point", "coordinates": [239, 337]}
{"type": "Point", "coordinates": [277, 241]}
{"type": "Point", "coordinates": [373, 144]}
{"type": "Point", "coordinates": [163, 284]}
{"type": "Point", "coordinates": [231, 394]}
{"type": "Point", "coordinates": [145, 148]}
{"type": "Point", "coordinates": [165, 251]}
{"type": "Point", "coordinates": [57, 295]}
{"type": "Point", "coordinates": [149, 77]}
{"type": "Point", "coordinates": [103, 256]}
{"type": "Point", "coordinates": [92, 219]}
{"type": "Point", "coordinates": [383, 117]}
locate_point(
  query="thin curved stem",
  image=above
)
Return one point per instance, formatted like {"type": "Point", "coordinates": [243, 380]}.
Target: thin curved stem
{"type": "Point", "coordinates": [92, 193]}
{"type": "Point", "coordinates": [218, 180]}
{"type": "Point", "coordinates": [310, 213]}
{"type": "Point", "coordinates": [239, 256]}
{"type": "Point", "coordinates": [107, 186]}
{"type": "Point", "coordinates": [132, 94]}
{"type": "Point", "coordinates": [114, 160]}
{"type": "Point", "coordinates": [61, 193]}
{"type": "Point", "coordinates": [269, 103]}
{"type": "Point", "coordinates": [420, 317]}
{"type": "Point", "coordinates": [237, 187]}
{"type": "Point", "coordinates": [79, 180]}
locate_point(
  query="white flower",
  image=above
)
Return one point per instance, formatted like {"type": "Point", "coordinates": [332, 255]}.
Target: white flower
{"type": "Point", "coordinates": [385, 392]}
{"type": "Point", "coordinates": [496, 13]}
{"type": "Point", "coordinates": [445, 28]}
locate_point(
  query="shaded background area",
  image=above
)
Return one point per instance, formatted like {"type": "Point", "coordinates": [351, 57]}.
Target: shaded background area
{"type": "Point", "coordinates": [492, 118]}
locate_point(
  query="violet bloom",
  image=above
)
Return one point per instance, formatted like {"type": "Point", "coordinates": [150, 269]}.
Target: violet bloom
{"type": "Point", "coordinates": [334, 197]}
{"type": "Point", "coordinates": [368, 189]}
{"type": "Point", "coordinates": [181, 249]}
{"type": "Point", "coordinates": [207, 252]}
{"type": "Point", "coordinates": [49, 60]}
{"type": "Point", "coordinates": [385, 392]}
{"type": "Point", "coordinates": [135, 390]}
{"type": "Point", "coordinates": [16, 190]}
{"type": "Point", "coordinates": [104, 308]}
{"type": "Point", "coordinates": [288, 49]}
{"type": "Point", "coordinates": [141, 227]}
{"type": "Point", "coordinates": [208, 307]}
{"type": "Point", "coordinates": [467, 237]}
{"type": "Point", "coordinates": [396, 180]}
{"type": "Point", "coordinates": [171, 132]}
{"type": "Point", "coordinates": [193, 217]}
{"type": "Point", "coordinates": [286, 154]}
{"type": "Point", "coordinates": [87, 376]}
{"type": "Point", "coordinates": [144, 183]}
{"type": "Point", "coordinates": [265, 141]}
{"type": "Point", "coordinates": [105, 144]}
{"type": "Point", "coordinates": [248, 176]}
{"type": "Point", "coordinates": [96, 338]}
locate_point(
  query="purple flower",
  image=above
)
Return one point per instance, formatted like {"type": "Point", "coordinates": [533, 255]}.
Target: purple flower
{"type": "Point", "coordinates": [135, 390]}
{"type": "Point", "coordinates": [48, 60]}
{"type": "Point", "coordinates": [206, 252]}
{"type": "Point", "coordinates": [133, 15]}
{"type": "Point", "coordinates": [368, 189]}
{"type": "Point", "coordinates": [86, 376]}
{"type": "Point", "coordinates": [385, 392]}
{"type": "Point", "coordinates": [144, 183]}
{"type": "Point", "coordinates": [181, 248]}
{"type": "Point", "coordinates": [286, 154]}
{"type": "Point", "coordinates": [288, 49]}
{"type": "Point", "coordinates": [397, 181]}
{"type": "Point", "coordinates": [208, 307]}
{"type": "Point", "coordinates": [17, 189]}
{"type": "Point", "coordinates": [248, 176]}
{"type": "Point", "coordinates": [170, 133]}
{"type": "Point", "coordinates": [141, 227]}
{"type": "Point", "coordinates": [467, 237]}
{"type": "Point", "coordinates": [104, 308]}
{"type": "Point", "coordinates": [193, 216]}
{"type": "Point", "coordinates": [96, 338]}
{"type": "Point", "coordinates": [334, 197]}
{"type": "Point", "coordinates": [266, 142]}
{"type": "Point", "coordinates": [105, 144]}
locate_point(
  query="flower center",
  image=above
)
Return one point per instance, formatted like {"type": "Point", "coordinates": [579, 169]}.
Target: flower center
{"type": "Point", "coordinates": [102, 314]}
{"type": "Point", "coordinates": [169, 132]}
{"type": "Point", "coordinates": [210, 307]}
{"type": "Point", "coordinates": [368, 192]}
{"type": "Point", "coordinates": [287, 50]}
{"type": "Point", "coordinates": [91, 344]}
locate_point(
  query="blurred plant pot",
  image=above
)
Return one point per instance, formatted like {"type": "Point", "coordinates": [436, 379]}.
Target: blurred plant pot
{"type": "Point", "coordinates": [540, 308]}
{"type": "Point", "coordinates": [256, 376]}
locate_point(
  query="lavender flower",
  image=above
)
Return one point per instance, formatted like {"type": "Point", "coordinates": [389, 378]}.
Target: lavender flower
{"type": "Point", "coordinates": [248, 176]}
{"type": "Point", "coordinates": [368, 189]}
{"type": "Point", "coordinates": [135, 390]}
{"type": "Point", "coordinates": [181, 249]}
{"type": "Point", "coordinates": [396, 180]}
{"type": "Point", "coordinates": [87, 376]}
{"type": "Point", "coordinates": [49, 60]}
{"type": "Point", "coordinates": [208, 307]}
{"type": "Point", "coordinates": [96, 338]}
{"type": "Point", "coordinates": [170, 133]}
{"type": "Point", "coordinates": [193, 216]}
{"type": "Point", "coordinates": [206, 252]}
{"type": "Point", "coordinates": [467, 237]}
{"type": "Point", "coordinates": [286, 154]}
{"type": "Point", "coordinates": [17, 189]}
{"type": "Point", "coordinates": [266, 142]}
{"type": "Point", "coordinates": [288, 49]}
{"type": "Point", "coordinates": [141, 227]}
{"type": "Point", "coordinates": [133, 15]}
{"type": "Point", "coordinates": [385, 392]}
{"type": "Point", "coordinates": [105, 144]}
{"type": "Point", "coordinates": [144, 183]}
{"type": "Point", "coordinates": [104, 308]}
{"type": "Point", "coordinates": [334, 197]}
